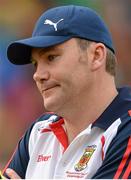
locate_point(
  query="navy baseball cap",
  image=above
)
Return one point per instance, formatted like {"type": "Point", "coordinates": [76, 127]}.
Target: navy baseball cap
{"type": "Point", "coordinates": [58, 25]}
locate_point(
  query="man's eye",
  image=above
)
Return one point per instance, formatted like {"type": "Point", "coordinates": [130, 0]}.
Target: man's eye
{"type": "Point", "coordinates": [51, 57]}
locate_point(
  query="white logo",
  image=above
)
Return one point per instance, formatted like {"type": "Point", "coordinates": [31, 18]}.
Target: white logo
{"type": "Point", "coordinates": [47, 21]}
{"type": "Point", "coordinates": [47, 121]}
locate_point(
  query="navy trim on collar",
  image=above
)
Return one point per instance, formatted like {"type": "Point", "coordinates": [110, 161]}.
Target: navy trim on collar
{"type": "Point", "coordinates": [119, 106]}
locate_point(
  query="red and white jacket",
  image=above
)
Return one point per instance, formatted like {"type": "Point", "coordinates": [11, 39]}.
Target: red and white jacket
{"type": "Point", "coordinates": [101, 151]}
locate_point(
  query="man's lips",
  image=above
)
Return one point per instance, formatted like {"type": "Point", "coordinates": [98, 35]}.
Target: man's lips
{"type": "Point", "coordinates": [48, 88]}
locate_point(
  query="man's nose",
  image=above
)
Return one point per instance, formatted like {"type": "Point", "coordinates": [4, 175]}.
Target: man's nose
{"type": "Point", "coordinates": [41, 74]}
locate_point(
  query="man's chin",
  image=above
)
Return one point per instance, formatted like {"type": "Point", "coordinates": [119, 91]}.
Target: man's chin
{"type": "Point", "coordinates": [54, 104]}
{"type": "Point", "coordinates": [50, 106]}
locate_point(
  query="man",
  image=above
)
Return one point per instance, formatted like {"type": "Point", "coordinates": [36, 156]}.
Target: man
{"type": "Point", "coordinates": [86, 130]}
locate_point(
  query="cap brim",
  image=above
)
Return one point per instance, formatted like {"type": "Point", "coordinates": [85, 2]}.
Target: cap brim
{"type": "Point", "coordinates": [19, 52]}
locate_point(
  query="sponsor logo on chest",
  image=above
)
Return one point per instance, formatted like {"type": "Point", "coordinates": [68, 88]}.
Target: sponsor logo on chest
{"type": "Point", "coordinates": [42, 158]}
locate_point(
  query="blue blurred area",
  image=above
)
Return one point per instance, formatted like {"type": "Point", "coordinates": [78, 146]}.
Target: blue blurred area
{"type": "Point", "coordinates": [20, 102]}
{"type": "Point", "coordinates": [7, 70]}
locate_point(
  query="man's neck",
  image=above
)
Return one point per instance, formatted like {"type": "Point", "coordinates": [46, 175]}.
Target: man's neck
{"type": "Point", "coordinates": [85, 113]}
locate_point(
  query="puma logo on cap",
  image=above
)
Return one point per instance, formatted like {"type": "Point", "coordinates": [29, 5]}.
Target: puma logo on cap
{"type": "Point", "coordinates": [49, 22]}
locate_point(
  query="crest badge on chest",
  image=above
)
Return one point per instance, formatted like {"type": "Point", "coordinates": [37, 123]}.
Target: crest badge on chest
{"type": "Point", "coordinates": [83, 162]}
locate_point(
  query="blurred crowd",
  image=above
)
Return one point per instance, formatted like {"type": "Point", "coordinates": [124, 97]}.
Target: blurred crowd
{"type": "Point", "coordinates": [20, 102]}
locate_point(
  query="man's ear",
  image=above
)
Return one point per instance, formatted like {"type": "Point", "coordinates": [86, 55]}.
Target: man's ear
{"type": "Point", "coordinates": [99, 52]}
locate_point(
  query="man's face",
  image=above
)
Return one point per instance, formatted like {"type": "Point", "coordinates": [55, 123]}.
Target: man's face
{"type": "Point", "coordinates": [62, 75]}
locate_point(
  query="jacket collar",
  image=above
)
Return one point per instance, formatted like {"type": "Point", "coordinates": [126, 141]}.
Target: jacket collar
{"type": "Point", "coordinates": [119, 106]}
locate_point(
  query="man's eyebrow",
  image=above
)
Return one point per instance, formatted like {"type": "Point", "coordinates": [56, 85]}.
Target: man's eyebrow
{"type": "Point", "coordinates": [48, 49]}
{"type": "Point", "coordinates": [44, 51]}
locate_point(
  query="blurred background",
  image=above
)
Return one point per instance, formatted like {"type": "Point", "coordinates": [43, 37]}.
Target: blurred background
{"type": "Point", "coordinates": [20, 102]}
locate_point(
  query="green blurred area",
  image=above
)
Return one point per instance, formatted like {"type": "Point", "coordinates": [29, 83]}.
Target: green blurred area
{"type": "Point", "coordinates": [78, 2]}
{"type": "Point", "coordinates": [95, 4]}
